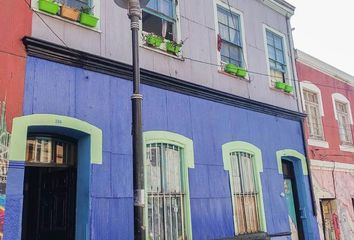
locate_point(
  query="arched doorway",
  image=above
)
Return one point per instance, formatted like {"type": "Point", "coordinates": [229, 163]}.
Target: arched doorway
{"type": "Point", "coordinates": [50, 178]}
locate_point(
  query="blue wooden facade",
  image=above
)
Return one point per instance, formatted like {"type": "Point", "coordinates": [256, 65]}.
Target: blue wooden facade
{"type": "Point", "coordinates": [104, 101]}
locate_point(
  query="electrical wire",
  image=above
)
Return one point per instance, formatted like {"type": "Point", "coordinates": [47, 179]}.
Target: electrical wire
{"type": "Point", "coordinates": [45, 23]}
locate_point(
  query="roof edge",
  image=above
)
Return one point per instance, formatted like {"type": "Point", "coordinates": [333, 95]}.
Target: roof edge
{"type": "Point", "coordinates": [324, 67]}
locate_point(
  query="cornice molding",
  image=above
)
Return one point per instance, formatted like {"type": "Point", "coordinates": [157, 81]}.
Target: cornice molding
{"type": "Point", "coordinates": [280, 6]}
{"type": "Point", "coordinates": [57, 53]}
{"type": "Point", "coordinates": [323, 67]}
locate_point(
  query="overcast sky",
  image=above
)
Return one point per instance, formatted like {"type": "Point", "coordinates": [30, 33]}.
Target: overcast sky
{"type": "Point", "coordinates": [325, 30]}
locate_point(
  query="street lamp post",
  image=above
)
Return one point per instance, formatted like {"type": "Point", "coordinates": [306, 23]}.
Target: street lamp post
{"type": "Point", "coordinates": [134, 13]}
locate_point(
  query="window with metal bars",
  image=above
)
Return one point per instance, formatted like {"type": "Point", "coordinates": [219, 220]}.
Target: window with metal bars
{"type": "Point", "coordinates": [245, 193]}
{"type": "Point", "coordinates": [345, 131]}
{"type": "Point", "coordinates": [314, 119]}
{"type": "Point", "coordinates": [165, 193]}
{"type": "Point", "coordinates": [230, 32]}
{"type": "Point", "coordinates": [276, 56]}
{"type": "Point", "coordinates": [159, 17]}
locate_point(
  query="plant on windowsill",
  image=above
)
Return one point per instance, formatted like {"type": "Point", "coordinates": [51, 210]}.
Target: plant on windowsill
{"type": "Point", "coordinates": [280, 85]}
{"type": "Point", "coordinates": [235, 70]}
{"type": "Point", "coordinates": [288, 88]}
{"type": "Point", "coordinates": [48, 6]}
{"type": "Point", "coordinates": [69, 13]}
{"type": "Point", "coordinates": [87, 18]}
{"type": "Point", "coordinates": [154, 40]}
{"type": "Point", "coordinates": [173, 47]}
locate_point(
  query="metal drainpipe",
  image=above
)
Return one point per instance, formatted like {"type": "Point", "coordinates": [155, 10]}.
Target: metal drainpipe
{"type": "Point", "coordinates": [300, 109]}
{"type": "Point", "coordinates": [137, 133]}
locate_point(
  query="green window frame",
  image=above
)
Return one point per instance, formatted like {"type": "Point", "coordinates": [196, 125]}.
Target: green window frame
{"type": "Point", "coordinates": [229, 24]}
{"type": "Point", "coordinates": [228, 150]}
{"type": "Point", "coordinates": [185, 148]}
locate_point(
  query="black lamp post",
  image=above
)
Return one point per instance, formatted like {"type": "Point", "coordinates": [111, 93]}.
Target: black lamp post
{"type": "Point", "coordinates": [134, 13]}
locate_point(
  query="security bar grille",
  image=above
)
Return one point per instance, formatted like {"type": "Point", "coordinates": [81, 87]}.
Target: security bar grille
{"type": "Point", "coordinates": [165, 195]}
{"type": "Point", "coordinates": [245, 193]}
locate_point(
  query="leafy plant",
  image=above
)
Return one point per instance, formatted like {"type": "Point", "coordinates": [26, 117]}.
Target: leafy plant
{"type": "Point", "coordinates": [87, 10]}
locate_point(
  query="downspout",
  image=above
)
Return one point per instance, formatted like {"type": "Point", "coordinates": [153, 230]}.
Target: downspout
{"type": "Point", "coordinates": [300, 108]}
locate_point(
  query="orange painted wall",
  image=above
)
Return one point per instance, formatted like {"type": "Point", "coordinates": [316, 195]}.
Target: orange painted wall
{"type": "Point", "coordinates": [328, 85]}
{"type": "Point", "coordinates": [15, 23]}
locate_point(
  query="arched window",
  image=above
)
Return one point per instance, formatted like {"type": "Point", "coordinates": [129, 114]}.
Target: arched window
{"type": "Point", "coordinates": [168, 157]}
{"type": "Point", "coordinates": [312, 102]}
{"type": "Point", "coordinates": [244, 163]}
{"type": "Point", "coordinates": [343, 115]}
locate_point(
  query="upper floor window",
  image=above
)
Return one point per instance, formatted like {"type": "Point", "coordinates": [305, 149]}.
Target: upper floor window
{"type": "Point", "coordinates": [276, 56]}
{"type": "Point", "coordinates": [229, 24]}
{"type": "Point", "coordinates": [159, 17]}
{"type": "Point", "coordinates": [344, 125]}
{"type": "Point", "coordinates": [314, 120]}
{"type": "Point", "coordinates": [165, 192]}
{"type": "Point", "coordinates": [78, 4]}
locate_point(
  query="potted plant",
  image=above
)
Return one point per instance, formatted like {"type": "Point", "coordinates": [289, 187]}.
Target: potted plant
{"type": "Point", "coordinates": [241, 72]}
{"type": "Point", "coordinates": [48, 6]}
{"type": "Point", "coordinates": [87, 18]}
{"type": "Point", "coordinates": [154, 40]}
{"type": "Point", "coordinates": [173, 47]}
{"type": "Point", "coordinates": [288, 88]}
{"type": "Point", "coordinates": [280, 85]}
{"type": "Point", "coordinates": [231, 68]}
{"type": "Point", "coordinates": [69, 13]}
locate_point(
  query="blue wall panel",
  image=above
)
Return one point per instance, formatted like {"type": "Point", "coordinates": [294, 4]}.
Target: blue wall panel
{"type": "Point", "coordinates": [104, 101]}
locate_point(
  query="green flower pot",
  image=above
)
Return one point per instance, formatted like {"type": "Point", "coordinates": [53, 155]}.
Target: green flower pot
{"type": "Point", "coordinates": [153, 40]}
{"type": "Point", "coordinates": [48, 6]}
{"type": "Point", "coordinates": [288, 88]}
{"type": "Point", "coordinates": [231, 68]}
{"type": "Point", "coordinates": [241, 72]}
{"type": "Point", "coordinates": [280, 85]}
{"type": "Point", "coordinates": [88, 20]}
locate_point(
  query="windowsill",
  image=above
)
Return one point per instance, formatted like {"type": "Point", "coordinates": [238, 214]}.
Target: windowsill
{"type": "Point", "coordinates": [281, 91]}
{"type": "Point", "coordinates": [347, 148]}
{"type": "Point", "coordinates": [318, 143]}
{"type": "Point", "coordinates": [246, 79]}
{"type": "Point", "coordinates": [161, 51]}
{"type": "Point", "coordinates": [66, 20]}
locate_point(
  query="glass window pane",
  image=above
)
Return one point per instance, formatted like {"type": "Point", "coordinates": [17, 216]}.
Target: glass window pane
{"type": "Point", "coordinates": [235, 37]}
{"type": "Point", "coordinates": [235, 53]}
{"type": "Point", "coordinates": [278, 42]}
{"type": "Point", "coordinates": [173, 170]}
{"type": "Point", "coordinates": [224, 32]}
{"type": "Point", "coordinates": [233, 21]}
{"type": "Point", "coordinates": [225, 51]}
{"type": "Point", "coordinates": [271, 52]}
{"type": "Point", "coordinates": [152, 4]}
{"type": "Point", "coordinates": [279, 56]}
{"type": "Point", "coordinates": [222, 17]}
{"type": "Point", "coordinates": [154, 168]}
{"type": "Point", "coordinates": [166, 7]}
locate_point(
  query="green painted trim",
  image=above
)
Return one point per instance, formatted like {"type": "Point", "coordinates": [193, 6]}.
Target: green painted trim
{"type": "Point", "coordinates": [21, 124]}
{"type": "Point", "coordinates": [239, 146]}
{"type": "Point", "coordinates": [291, 153]}
{"type": "Point", "coordinates": [187, 162]}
